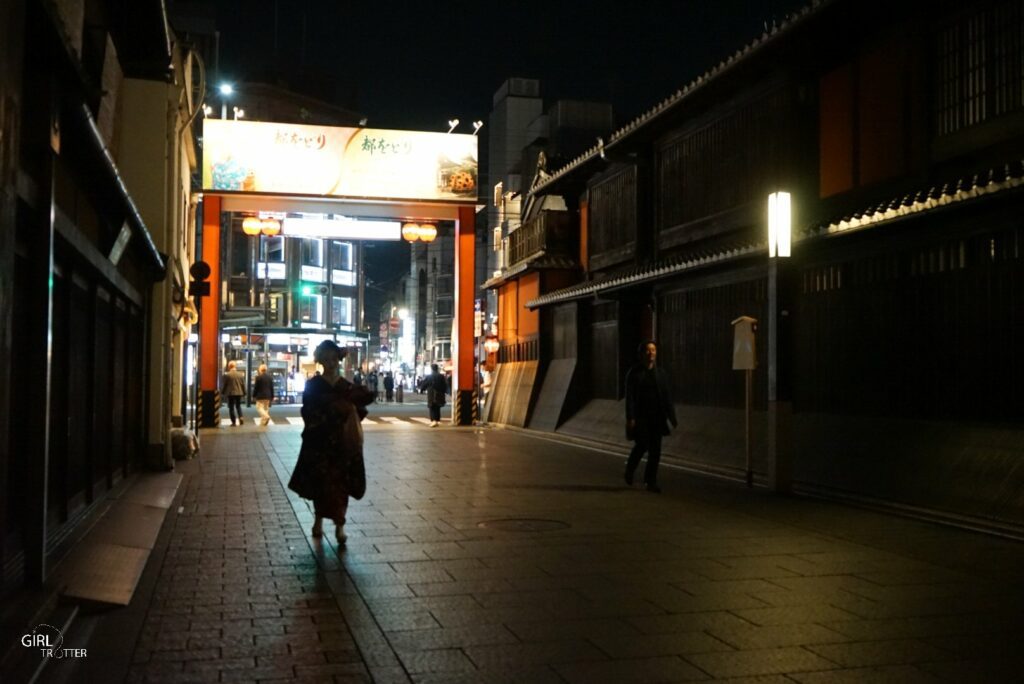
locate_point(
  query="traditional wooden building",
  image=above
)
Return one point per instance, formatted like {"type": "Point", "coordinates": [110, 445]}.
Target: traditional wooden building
{"type": "Point", "coordinates": [887, 344]}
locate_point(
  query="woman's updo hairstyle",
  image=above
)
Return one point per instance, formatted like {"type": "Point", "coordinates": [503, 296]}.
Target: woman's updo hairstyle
{"type": "Point", "coordinates": [325, 347]}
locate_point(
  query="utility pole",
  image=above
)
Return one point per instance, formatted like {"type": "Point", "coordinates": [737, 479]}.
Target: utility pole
{"type": "Point", "coordinates": [362, 285]}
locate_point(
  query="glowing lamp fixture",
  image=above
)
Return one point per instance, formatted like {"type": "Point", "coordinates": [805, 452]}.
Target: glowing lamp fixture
{"type": "Point", "coordinates": [780, 228]}
{"type": "Point", "coordinates": [477, 125]}
{"type": "Point", "coordinates": [491, 344]}
{"type": "Point", "coordinates": [270, 227]}
{"type": "Point", "coordinates": [452, 123]}
{"type": "Point", "coordinates": [253, 225]}
{"type": "Point", "coordinates": [411, 232]}
{"type": "Point", "coordinates": [427, 232]}
{"type": "Point", "coordinates": [226, 89]}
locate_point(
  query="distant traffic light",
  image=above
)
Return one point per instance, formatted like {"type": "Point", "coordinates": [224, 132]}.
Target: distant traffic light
{"type": "Point", "coordinates": [311, 290]}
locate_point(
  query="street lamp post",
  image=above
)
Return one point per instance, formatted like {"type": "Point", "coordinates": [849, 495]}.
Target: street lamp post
{"type": "Point", "coordinates": [780, 308]}
{"type": "Point", "coordinates": [226, 90]}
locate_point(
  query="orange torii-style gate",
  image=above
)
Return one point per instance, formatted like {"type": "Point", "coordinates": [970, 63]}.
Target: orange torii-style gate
{"type": "Point", "coordinates": [356, 172]}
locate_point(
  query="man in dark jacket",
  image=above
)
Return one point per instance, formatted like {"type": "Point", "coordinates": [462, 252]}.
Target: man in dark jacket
{"type": "Point", "coordinates": [232, 386]}
{"type": "Point", "coordinates": [649, 409]}
{"type": "Point", "coordinates": [263, 393]}
{"type": "Point", "coordinates": [435, 386]}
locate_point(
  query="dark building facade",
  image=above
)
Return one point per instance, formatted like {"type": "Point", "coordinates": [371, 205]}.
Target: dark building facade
{"type": "Point", "coordinates": [79, 269]}
{"type": "Point", "coordinates": [886, 346]}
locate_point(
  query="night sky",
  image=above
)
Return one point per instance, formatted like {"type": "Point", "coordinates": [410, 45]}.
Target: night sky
{"type": "Point", "coordinates": [415, 65]}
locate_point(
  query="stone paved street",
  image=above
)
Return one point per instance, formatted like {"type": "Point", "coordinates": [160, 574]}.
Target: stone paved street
{"type": "Point", "coordinates": [497, 556]}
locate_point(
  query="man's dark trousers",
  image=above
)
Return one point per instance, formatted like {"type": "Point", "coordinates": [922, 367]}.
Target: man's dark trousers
{"type": "Point", "coordinates": [648, 438]}
{"type": "Point", "coordinates": [234, 404]}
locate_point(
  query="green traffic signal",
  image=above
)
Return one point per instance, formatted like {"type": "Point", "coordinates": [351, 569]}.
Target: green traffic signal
{"type": "Point", "coordinates": [307, 290]}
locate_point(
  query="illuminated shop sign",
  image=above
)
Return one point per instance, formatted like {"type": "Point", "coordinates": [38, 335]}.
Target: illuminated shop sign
{"type": "Point", "coordinates": [331, 161]}
{"type": "Point", "coordinates": [342, 229]}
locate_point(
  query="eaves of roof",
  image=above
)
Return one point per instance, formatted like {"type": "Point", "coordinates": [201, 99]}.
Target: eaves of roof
{"type": "Point", "coordinates": [537, 261]}
{"type": "Point", "coordinates": [964, 190]}
{"type": "Point", "coordinates": [695, 86]}
{"type": "Point", "coordinates": [644, 274]}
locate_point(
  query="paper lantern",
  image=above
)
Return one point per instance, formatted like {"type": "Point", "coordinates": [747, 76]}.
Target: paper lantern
{"type": "Point", "coordinates": [411, 232]}
{"type": "Point", "coordinates": [270, 227]}
{"type": "Point", "coordinates": [428, 231]}
{"type": "Point", "coordinates": [251, 225]}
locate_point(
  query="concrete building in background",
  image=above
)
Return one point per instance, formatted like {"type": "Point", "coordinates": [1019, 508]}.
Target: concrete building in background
{"type": "Point", "coordinates": [431, 297]}
{"type": "Point", "coordinates": [516, 104]}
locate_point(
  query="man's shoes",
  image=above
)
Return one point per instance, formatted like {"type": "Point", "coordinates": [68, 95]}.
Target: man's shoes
{"type": "Point", "coordinates": [241, 420]}
{"type": "Point", "coordinates": [340, 536]}
{"type": "Point", "coordinates": [629, 477]}
{"type": "Point", "coordinates": [232, 423]}
{"type": "Point", "coordinates": [654, 489]}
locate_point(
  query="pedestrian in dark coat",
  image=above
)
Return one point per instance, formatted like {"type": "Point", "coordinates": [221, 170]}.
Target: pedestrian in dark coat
{"type": "Point", "coordinates": [232, 386]}
{"type": "Point", "coordinates": [389, 386]}
{"type": "Point", "coordinates": [263, 393]}
{"type": "Point", "coordinates": [435, 386]}
{"type": "Point", "coordinates": [649, 410]}
{"type": "Point", "coordinates": [330, 468]}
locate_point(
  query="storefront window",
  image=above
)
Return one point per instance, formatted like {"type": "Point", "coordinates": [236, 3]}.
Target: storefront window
{"type": "Point", "coordinates": [341, 255]}
{"type": "Point", "coordinates": [240, 254]}
{"type": "Point", "coordinates": [272, 249]}
{"type": "Point", "coordinates": [312, 252]}
{"type": "Point", "coordinates": [341, 313]}
{"type": "Point", "coordinates": [310, 308]}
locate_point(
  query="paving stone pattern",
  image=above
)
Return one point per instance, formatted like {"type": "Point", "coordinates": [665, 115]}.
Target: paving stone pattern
{"type": "Point", "coordinates": [706, 581]}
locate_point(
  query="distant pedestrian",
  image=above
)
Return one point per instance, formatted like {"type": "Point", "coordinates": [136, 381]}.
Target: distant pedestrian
{"type": "Point", "coordinates": [389, 386]}
{"type": "Point", "coordinates": [232, 386]}
{"type": "Point", "coordinates": [435, 386]}
{"type": "Point", "coordinates": [330, 468]}
{"type": "Point", "coordinates": [649, 410]}
{"type": "Point", "coordinates": [371, 383]}
{"type": "Point", "coordinates": [263, 393]}
{"type": "Point", "coordinates": [357, 378]}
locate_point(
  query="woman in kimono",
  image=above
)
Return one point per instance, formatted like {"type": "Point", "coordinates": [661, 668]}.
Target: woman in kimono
{"type": "Point", "coordinates": [330, 467]}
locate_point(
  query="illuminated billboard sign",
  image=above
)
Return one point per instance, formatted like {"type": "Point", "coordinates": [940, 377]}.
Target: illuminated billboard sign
{"type": "Point", "coordinates": [342, 229]}
{"type": "Point", "coordinates": [331, 161]}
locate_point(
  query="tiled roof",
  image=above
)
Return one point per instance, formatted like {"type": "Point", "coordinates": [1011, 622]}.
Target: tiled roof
{"type": "Point", "coordinates": [965, 189]}
{"type": "Point", "coordinates": [636, 276]}
{"type": "Point", "coordinates": [695, 85]}
{"type": "Point", "coordinates": [540, 260]}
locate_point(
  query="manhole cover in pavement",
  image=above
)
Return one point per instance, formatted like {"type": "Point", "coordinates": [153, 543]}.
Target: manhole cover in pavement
{"type": "Point", "coordinates": [523, 525]}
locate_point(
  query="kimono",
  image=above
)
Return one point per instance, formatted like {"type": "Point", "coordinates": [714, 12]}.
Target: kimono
{"type": "Point", "coordinates": [330, 468]}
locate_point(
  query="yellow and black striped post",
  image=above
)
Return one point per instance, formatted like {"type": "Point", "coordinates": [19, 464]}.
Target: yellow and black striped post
{"type": "Point", "coordinates": [464, 409]}
{"type": "Point", "coordinates": [209, 408]}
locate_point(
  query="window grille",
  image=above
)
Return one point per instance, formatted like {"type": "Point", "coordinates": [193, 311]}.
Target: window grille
{"type": "Point", "coordinates": [979, 67]}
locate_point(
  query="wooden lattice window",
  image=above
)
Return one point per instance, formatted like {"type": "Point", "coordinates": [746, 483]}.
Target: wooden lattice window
{"type": "Point", "coordinates": [613, 224]}
{"type": "Point", "coordinates": [979, 67]}
{"type": "Point", "coordinates": [722, 165]}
